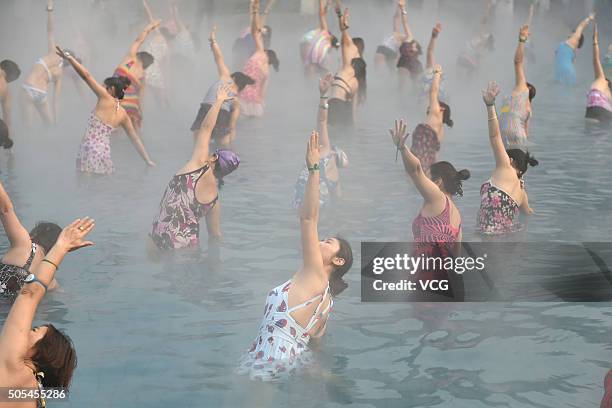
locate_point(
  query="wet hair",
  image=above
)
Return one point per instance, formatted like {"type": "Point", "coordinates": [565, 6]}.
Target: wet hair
{"type": "Point", "coordinates": [242, 80]}
{"type": "Point", "coordinates": [581, 41]}
{"type": "Point", "coordinates": [359, 66]}
{"type": "Point", "coordinates": [336, 282]}
{"type": "Point", "coordinates": [446, 115]}
{"type": "Point", "coordinates": [5, 140]}
{"type": "Point", "coordinates": [273, 59]}
{"type": "Point", "coordinates": [55, 356]}
{"type": "Point", "coordinates": [267, 37]}
{"type": "Point", "coordinates": [145, 58]}
{"type": "Point", "coordinates": [119, 84]}
{"type": "Point", "coordinates": [521, 160]}
{"type": "Point", "coordinates": [334, 41]}
{"type": "Point", "coordinates": [11, 70]}
{"type": "Point", "coordinates": [360, 44]}
{"type": "Point", "coordinates": [532, 91]}
{"type": "Point", "coordinates": [452, 180]}
{"type": "Point", "coordinates": [45, 234]}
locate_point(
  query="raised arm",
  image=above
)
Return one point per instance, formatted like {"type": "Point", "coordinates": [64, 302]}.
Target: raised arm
{"type": "Point", "coordinates": [142, 37]}
{"type": "Point", "coordinates": [499, 152]}
{"type": "Point", "coordinates": [50, 27]}
{"type": "Point", "coordinates": [16, 233]}
{"type": "Point", "coordinates": [432, 45]}
{"type": "Point", "coordinates": [98, 89]}
{"type": "Point", "coordinates": [597, 67]}
{"type": "Point", "coordinates": [222, 69]}
{"type": "Point", "coordinates": [405, 25]}
{"type": "Point", "coordinates": [574, 39]}
{"type": "Point", "coordinates": [324, 85]}
{"type": "Point", "coordinates": [309, 211]}
{"type": "Point", "coordinates": [15, 335]}
{"type": "Point", "coordinates": [397, 17]}
{"type": "Point", "coordinates": [519, 57]}
{"type": "Point", "coordinates": [346, 41]}
{"type": "Point", "coordinates": [201, 148]}
{"type": "Point", "coordinates": [323, 15]}
{"type": "Point", "coordinates": [434, 102]}
{"type": "Point", "coordinates": [136, 140]}
{"type": "Point", "coordinates": [256, 26]}
{"type": "Point", "coordinates": [428, 189]}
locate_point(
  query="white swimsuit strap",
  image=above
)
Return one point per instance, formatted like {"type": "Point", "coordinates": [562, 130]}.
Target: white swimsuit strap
{"type": "Point", "coordinates": [317, 313]}
{"type": "Point", "coordinates": [42, 62]}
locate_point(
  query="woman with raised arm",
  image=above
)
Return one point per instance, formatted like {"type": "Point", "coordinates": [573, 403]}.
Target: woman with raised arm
{"type": "Point", "coordinates": [599, 98]}
{"type": "Point", "coordinates": [316, 46]}
{"type": "Point", "coordinates": [428, 136]}
{"type": "Point", "coordinates": [428, 75]}
{"type": "Point", "coordinates": [565, 72]}
{"type": "Point", "coordinates": [332, 157]}
{"type": "Point", "coordinates": [388, 52]}
{"type": "Point", "coordinates": [133, 67]}
{"type": "Point", "coordinates": [297, 310]}
{"type": "Point", "coordinates": [26, 249]}
{"type": "Point", "coordinates": [46, 71]}
{"type": "Point", "coordinates": [349, 86]}
{"type": "Point", "coordinates": [245, 45]}
{"type": "Point", "coordinates": [504, 194]}
{"type": "Point", "coordinates": [410, 50]}
{"type": "Point", "coordinates": [43, 356]}
{"type": "Point", "coordinates": [252, 98]}
{"type": "Point", "coordinates": [94, 154]}
{"type": "Point", "coordinates": [193, 192]}
{"type": "Point", "coordinates": [224, 131]}
{"type": "Point", "coordinates": [516, 108]}
{"type": "Point", "coordinates": [439, 220]}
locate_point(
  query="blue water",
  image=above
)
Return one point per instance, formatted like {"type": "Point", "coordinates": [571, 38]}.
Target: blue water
{"type": "Point", "coordinates": [169, 333]}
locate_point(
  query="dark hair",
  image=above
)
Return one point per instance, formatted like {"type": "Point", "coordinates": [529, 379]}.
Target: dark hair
{"type": "Point", "coordinates": [452, 180]}
{"type": "Point", "coordinates": [273, 59]}
{"type": "Point", "coordinates": [609, 84]}
{"type": "Point", "coordinates": [119, 85]}
{"type": "Point", "coordinates": [267, 37]}
{"type": "Point", "coordinates": [336, 283]}
{"type": "Point", "coordinates": [241, 80]}
{"type": "Point", "coordinates": [406, 45]}
{"type": "Point", "coordinates": [334, 41]}
{"type": "Point", "coordinates": [55, 356]}
{"type": "Point", "coordinates": [532, 91]}
{"type": "Point", "coordinates": [446, 115]}
{"type": "Point", "coordinates": [145, 58]}
{"type": "Point", "coordinates": [11, 70]}
{"type": "Point", "coordinates": [218, 175]}
{"type": "Point", "coordinates": [45, 234]}
{"type": "Point", "coordinates": [5, 140]}
{"type": "Point", "coordinates": [360, 44]}
{"type": "Point", "coordinates": [359, 66]}
{"type": "Point", "coordinates": [581, 41]}
{"type": "Point", "coordinates": [521, 160]}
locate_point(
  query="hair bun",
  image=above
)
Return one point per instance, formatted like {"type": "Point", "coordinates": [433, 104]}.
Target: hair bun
{"type": "Point", "coordinates": [463, 174]}
{"type": "Point", "coordinates": [532, 161]}
{"type": "Point", "coordinates": [125, 82]}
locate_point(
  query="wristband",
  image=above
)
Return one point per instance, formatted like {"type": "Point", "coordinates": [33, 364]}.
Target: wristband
{"type": "Point", "coordinates": [315, 167]}
{"type": "Point", "coordinates": [522, 39]}
{"type": "Point", "coordinates": [49, 262]}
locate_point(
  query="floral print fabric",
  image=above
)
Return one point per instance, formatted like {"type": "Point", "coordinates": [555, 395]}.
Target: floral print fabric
{"type": "Point", "coordinates": [251, 97]}
{"type": "Point", "coordinates": [425, 146]}
{"type": "Point", "coordinates": [12, 277]}
{"type": "Point", "coordinates": [498, 211]}
{"type": "Point", "coordinates": [94, 153]}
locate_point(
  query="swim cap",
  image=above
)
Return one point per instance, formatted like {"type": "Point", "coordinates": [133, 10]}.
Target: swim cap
{"type": "Point", "coordinates": [228, 161]}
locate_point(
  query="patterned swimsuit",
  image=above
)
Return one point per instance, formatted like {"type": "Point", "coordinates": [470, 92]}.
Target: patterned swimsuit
{"type": "Point", "coordinates": [498, 211]}
{"type": "Point", "coordinates": [251, 98]}
{"type": "Point", "coordinates": [12, 277]}
{"type": "Point", "coordinates": [513, 120]}
{"type": "Point", "coordinates": [178, 222]}
{"type": "Point", "coordinates": [131, 99]}
{"type": "Point", "coordinates": [327, 187]}
{"type": "Point", "coordinates": [425, 146]}
{"type": "Point", "coordinates": [282, 344]}
{"type": "Point", "coordinates": [94, 153]}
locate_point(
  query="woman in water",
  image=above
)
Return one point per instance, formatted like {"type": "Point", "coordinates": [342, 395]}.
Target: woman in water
{"type": "Point", "coordinates": [94, 154]}
{"type": "Point", "coordinates": [193, 192]}
{"type": "Point", "coordinates": [297, 310]}
{"type": "Point", "coordinates": [428, 76]}
{"type": "Point", "coordinates": [252, 98]}
{"type": "Point", "coordinates": [349, 85]}
{"type": "Point", "coordinates": [503, 195]}
{"type": "Point", "coordinates": [43, 356]}
{"type": "Point", "coordinates": [428, 136]}
{"type": "Point", "coordinates": [316, 46]}
{"type": "Point", "coordinates": [46, 71]}
{"type": "Point", "coordinates": [225, 127]}
{"type": "Point", "coordinates": [516, 109]}
{"type": "Point", "coordinates": [26, 249]}
{"type": "Point", "coordinates": [388, 52]}
{"type": "Point", "coordinates": [9, 72]}
{"type": "Point", "coordinates": [245, 45]}
{"type": "Point", "coordinates": [408, 64]}
{"type": "Point", "coordinates": [599, 98]}
{"type": "Point", "coordinates": [133, 67]}
{"type": "Point", "coordinates": [332, 157]}
{"type": "Point", "coordinates": [565, 72]}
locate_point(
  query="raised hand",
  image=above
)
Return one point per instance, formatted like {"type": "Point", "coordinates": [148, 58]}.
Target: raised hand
{"type": "Point", "coordinates": [312, 150]}
{"type": "Point", "coordinates": [213, 34]}
{"type": "Point", "coordinates": [399, 134]}
{"type": "Point", "coordinates": [436, 30]}
{"type": "Point", "coordinates": [61, 52]}
{"type": "Point", "coordinates": [595, 33]}
{"type": "Point", "coordinates": [71, 237]}
{"type": "Point", "coordinates": [325, 83]}
{"type": "Point", "coordinates": [524, 32]}
{"type": "Point", "coordinates": [490, 93]}
{"type": "Point", "coordinates": [437, 69]}
{"type": "Point", "coordinates": [224, 92]}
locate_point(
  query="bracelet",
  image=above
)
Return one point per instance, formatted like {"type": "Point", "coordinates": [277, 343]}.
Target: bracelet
{"type": "Point", "coordinates": [48, 261]}
{"type": "Point", "coordinates": [315, 167]}
{"type": "Point", "coordinates": [488, 105]}
{"type": "Point", "coordinates": [324, 97]}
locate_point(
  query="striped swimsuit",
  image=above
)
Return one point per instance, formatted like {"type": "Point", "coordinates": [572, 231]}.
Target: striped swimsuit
{"type": "Point", "coordinates": [131, 100]}
{"type": "Point", "coordinates": [436, 229]}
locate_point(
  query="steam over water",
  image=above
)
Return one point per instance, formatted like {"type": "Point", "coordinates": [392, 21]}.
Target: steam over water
{"type": "Point", "coordinates": [170, 333]}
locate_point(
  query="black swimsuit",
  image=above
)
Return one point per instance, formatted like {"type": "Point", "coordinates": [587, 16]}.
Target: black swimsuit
{"type": "Point", "coordinates": [341, 111]}
{"type": "Point", "coordinates": [12, 277]}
